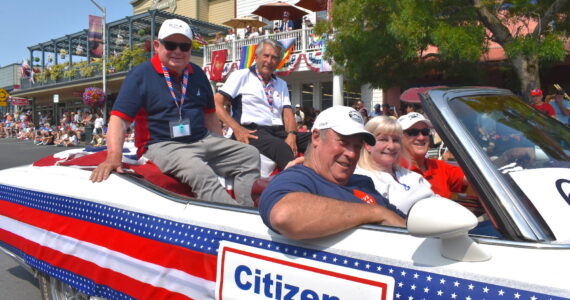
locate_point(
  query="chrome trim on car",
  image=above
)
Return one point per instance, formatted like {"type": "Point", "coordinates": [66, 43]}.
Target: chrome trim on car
{"type": "Point", "coordinates": [519, 244]}
{"type": "Point", "coordinates": [18, 259]}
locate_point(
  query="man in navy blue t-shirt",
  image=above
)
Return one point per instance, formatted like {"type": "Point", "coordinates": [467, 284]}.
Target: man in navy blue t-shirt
{"type": "Point", "coordinates": [322, 196]}
{"type": "Point", "coordinates": [171, 102]}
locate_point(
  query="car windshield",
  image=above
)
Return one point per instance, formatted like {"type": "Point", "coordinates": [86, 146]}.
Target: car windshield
{"type": "Point", "coordinates": [530, 150]}
{"type": "Point", "coordinates": [513, 134]}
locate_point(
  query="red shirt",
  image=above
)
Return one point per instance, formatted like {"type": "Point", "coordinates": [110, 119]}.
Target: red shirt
{"type": "Point", "coordinates": [443, 177]}
{"type": "Point", "coordinates": [545, 108]}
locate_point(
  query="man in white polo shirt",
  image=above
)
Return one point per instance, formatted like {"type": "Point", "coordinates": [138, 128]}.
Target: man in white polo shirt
{"type": "Point", "coordinates": [261, 108]}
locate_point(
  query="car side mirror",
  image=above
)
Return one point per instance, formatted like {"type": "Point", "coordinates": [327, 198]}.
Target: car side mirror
{"type": "Point", "coordinates": [445, 219]}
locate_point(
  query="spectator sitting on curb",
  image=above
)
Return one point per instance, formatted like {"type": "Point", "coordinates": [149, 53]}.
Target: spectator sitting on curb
{"type": "Point", "coordinates": [71, 139]}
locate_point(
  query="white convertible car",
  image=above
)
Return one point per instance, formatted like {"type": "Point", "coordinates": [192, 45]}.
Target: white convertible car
{"type": "Point", "coordinates": [128, 239]}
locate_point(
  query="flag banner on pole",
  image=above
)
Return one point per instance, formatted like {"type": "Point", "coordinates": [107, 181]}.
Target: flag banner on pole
{"type": "Point", "coordinates": [247, 56]}
{"type": "Point", "coordinates": [95, 36]}
{"type": "Point", "coordinates": [19, 101]}
{"type": "Point", "coordinates": [288, 47]}
{"type": "Point", "coordinates": [218, 62]}
{"type": "Point", "coordinates": [325, 64]}
{"type": "Point", "coordinates": [199, 38]}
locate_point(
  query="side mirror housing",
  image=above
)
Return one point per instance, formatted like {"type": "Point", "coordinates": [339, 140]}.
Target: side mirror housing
{"type": "Point", "coordinates": [445, 219]}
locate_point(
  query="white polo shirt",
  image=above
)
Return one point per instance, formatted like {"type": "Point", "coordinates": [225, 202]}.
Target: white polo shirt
{"type": "Point", "coordinates": [249, 102]}
{"type": "Point", "coordinates": [403, 193]}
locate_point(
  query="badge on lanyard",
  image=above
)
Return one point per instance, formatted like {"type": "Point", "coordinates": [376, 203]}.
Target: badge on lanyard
{"type": "Point", "coordinates": [180, 128]}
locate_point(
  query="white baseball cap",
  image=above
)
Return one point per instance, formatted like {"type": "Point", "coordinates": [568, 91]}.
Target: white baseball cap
{"type": "Point", "coordinates": [343, 120]}
{"type": "Point", "coordinates": [408, 120]}
{"type": "Point", "coordinates": [174, 26]}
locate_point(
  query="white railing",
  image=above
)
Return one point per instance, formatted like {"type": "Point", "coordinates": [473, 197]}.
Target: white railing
{"type": "Point", "coordinates": [305, 40]}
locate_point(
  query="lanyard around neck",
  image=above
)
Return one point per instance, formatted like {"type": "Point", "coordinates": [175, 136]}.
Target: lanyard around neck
{"type": "Point", "coordinates": [268, 88]}
{"type": "Point", "coordinates": [184, 85]}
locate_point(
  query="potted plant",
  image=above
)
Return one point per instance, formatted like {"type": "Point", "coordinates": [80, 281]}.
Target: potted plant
{"type": "Point", "coordinates": [93, 97]}
{"type": "Point", "coordinates": [141, 34]}
{"type": "Point", "coordinates": [56, 72]}
{"type": "Point", "coordinates": [62, 53]}
{"type": "Point", "coordinates": [87, 70]}
{"type": "Point", "coordinates": [69, 73]}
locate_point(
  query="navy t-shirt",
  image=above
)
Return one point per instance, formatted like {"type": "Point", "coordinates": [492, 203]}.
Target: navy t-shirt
{"type": "Point", "coordinates": [145, 99]}
{"type": "Point", "coordinates": [303, 179]}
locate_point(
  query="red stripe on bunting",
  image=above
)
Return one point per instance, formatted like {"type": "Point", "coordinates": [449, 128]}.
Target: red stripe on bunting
{"type": "Point", "coordinates": [101, 276]}
{"type": "Point", "coordinates": [195, 263]}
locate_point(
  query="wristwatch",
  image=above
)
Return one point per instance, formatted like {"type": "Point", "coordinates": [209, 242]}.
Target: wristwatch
{"type": "Point", "coordinates": [292, 132]}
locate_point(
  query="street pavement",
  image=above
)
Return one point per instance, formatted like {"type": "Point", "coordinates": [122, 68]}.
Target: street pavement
{"type": "Point", "coordinates": [15, 282]}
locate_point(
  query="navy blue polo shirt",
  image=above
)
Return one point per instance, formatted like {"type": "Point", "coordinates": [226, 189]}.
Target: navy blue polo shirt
{"type": "Point", "coordinates": [144, 98]}
{"type": "Point", "coordinates": [303, 179]}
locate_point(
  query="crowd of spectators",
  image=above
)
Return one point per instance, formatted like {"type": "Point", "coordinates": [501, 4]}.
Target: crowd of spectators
{"type": "Point", "coordinates": [74, 128]}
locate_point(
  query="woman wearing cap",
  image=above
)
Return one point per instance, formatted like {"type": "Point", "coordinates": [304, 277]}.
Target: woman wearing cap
{"type": "Point", "coordinates": [443, 177]}
{"type": "Point", "coordinates": [381, 162]}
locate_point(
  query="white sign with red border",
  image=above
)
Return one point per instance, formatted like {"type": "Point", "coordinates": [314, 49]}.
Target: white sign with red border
{"type": "Point", "coordinates": [251, 273]}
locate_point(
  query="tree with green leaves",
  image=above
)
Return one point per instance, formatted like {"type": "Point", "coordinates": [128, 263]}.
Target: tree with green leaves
{"type": "Point", "coordinates": [392, 42]}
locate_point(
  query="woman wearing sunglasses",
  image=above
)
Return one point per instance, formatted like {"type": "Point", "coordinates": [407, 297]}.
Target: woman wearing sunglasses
{"type": "Point", "coordinates": [381, 162]}
{"type": "Point", "coordinates": [443, 177]}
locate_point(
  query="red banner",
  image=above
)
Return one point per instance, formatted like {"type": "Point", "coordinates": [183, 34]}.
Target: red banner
{"type": "Point", "coordinates": [95, 36]}
{"type": "Point", "coordinates": [217, 65]}
{"type": "Point", "coordinates": [19, 101]}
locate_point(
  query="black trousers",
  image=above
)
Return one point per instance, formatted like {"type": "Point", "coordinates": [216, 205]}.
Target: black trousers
{"type": "Point", "coordinates": [271, 143]}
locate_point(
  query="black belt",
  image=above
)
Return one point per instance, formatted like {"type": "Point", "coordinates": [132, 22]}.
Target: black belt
{"type": "Point", "coordinates": [255, 126]}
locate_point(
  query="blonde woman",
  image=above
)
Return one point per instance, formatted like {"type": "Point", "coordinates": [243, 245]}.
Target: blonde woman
{"type": "Point", "coordinates": [381, 162]}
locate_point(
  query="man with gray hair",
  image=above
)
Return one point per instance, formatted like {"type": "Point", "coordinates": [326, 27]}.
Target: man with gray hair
{"type": "Point", "coordinates": [261, 108]}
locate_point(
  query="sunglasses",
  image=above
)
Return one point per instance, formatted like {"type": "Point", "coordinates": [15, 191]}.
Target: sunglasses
{"type": "Point", "coordinates": [171, 46]}
{"type": "Point", "coordinates": [416, 132]}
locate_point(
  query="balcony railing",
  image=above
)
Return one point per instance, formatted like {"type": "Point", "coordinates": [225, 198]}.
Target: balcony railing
{"type": "Point", "coordinates": [75, 74]}
{"type": "Point", "coordinates": [305, 40]}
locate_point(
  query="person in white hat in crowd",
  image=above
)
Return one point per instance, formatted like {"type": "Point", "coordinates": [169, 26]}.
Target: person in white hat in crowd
{"type": "Point", "coordinates": [322, 196]}
{"type": "Point", "coordinates": [443, 177]}
{"type": "Point", "coordinates": [172, 103]}
{"type": "Point", "coordinates": [299, 112]}
{"type": "Point", "coordinates": [262, 114]}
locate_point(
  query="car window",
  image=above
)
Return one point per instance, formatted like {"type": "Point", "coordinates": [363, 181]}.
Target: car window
{"type": "Point", "coordinates": [503, 123]}
{"type": "Point", "coordinates": [528, 148]}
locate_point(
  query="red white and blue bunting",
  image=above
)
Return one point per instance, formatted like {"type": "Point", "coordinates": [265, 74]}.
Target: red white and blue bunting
{"type": "Point", "coordinates": [314, 61]}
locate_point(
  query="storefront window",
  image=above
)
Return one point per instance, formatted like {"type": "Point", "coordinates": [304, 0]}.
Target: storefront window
{"type": "Point", "coordinates": [307, 96]}
{"type": "Point", "coordinates": [351, 97]}
{"type": "Point", "coordinates": [326, 95]}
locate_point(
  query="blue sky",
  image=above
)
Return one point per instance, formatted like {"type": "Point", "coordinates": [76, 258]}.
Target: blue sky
{"type": "Point", "coordinates": [29, 22]}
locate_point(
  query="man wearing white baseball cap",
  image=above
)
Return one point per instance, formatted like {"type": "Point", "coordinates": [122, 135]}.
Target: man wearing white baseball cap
{"type": "Point", "coordinates": [443, 177]}
{"type": "Point", "coordinates": [172, 102]}
{"type": "Point", "coordinates": [322, 196]}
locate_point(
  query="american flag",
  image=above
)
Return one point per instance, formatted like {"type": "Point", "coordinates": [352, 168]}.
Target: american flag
{"type": "Point", "coordinates": [198, 38]}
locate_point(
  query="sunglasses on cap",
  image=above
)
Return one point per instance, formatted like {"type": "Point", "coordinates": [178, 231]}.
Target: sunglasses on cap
{"type": "Point", "coordinates": [416, 132]}
{"type": "Point", "coordinates": [171, 46]}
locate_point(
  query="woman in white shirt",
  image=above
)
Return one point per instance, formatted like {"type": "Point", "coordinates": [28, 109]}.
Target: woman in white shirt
{"type": "Point", "coordinates": [381, 162]}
